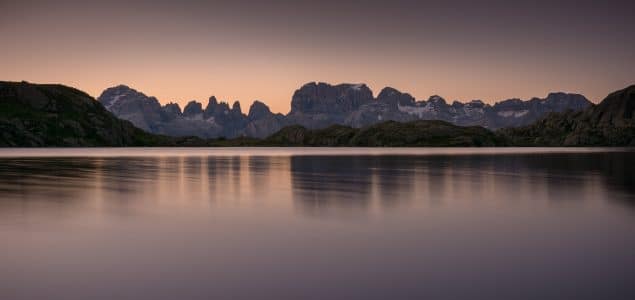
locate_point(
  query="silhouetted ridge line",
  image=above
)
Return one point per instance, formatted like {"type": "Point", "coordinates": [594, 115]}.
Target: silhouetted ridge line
{"type": "Point", "coordinates": [319, 105]}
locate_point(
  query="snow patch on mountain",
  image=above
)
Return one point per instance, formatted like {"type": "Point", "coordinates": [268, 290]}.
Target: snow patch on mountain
{"type": "Point", "coordinates": [196, 117]}
{"type": "Point", "coordinates": [511, 113]}
{"type": "Point", "coordinates": [357, 87]}
{"type": "Point", "coordinates": [418, 111]}
{"type": "Point", "coordinates": [211, 120]}
{"type": "Point", "coordinates": [435, 98]}
{"type": "Point", "coordinates": [114, 101]}
{"type": "Point", "coordinates": [470, 110]}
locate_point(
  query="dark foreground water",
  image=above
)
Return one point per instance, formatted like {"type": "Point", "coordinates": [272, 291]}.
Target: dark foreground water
{"type": "Point", "coordinates": [317, 224]}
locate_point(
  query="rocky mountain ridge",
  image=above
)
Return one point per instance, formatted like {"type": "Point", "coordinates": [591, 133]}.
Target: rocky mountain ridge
{"type": "Point", "coordinates": [610, 123]}
{"type": "Point", "coordinates": [319, 105]}
{"type": "Point", "coordinates": [36, 115]}
{"type": "Point", "coordinates": [217, 119]}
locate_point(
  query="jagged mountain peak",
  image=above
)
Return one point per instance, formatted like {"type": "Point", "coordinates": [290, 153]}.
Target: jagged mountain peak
{"type": "Point", "coordinates": [572, 98]}
{"type": "Point", "coordinates": [218, 107]}
{"type": "Point", "coordinates": [113, 94]}
{"type": "Point", "coordinates": [320, 104]}
{"type": "Point", "coordinates": [394, 98]}
{"type": "Point", "coordinates": [314, 84]}
{"type": "Point", "coordinates": [345, 84]}
{"type": "Point", "coordinates": [557, 94]}
{"type": "Point", "coordinates": [472, 103]}
{"type": "Point", "coordinates": [129, 104]}
{"type": "Point", "coordinates": [330, 99]}
{"type": "Point", "coordinates": [509, 102]}
{"type": "Point", "coordinates": [214, 106]}
{"type": "Point", "coordinates": [122, 87]}
{"type": "Point", "coordinates": [258, 110]}
{"type": "Point", "coordinates": [212, 101]}
{"type": "Point", "coordinates": [124, 90]}
{"type": "Point", "coordinates": [436, 99]}
{"type": "Point", "coordinates": [389, 91]}
{"type": "Point", "coordinates": [193, 108]}
{"type": "Point", "coordinates": [309, 84]}
{"type": "Point", "coordinates": [358, 86]}
{"type": "Point", "coordinates": [236, 107]}
{"type": "Point", "coordinates": [172, 107]}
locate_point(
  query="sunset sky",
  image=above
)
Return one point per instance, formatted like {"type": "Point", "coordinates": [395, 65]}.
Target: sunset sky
{"type": "Point", "coordinates": [247, 50]}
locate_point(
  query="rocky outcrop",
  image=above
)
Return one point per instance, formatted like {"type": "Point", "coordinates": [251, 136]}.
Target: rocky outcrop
{"type": "Point", "coordinates": [192, 109]}
{"type": "Point", "coordinates": [332, 99]}
{"type": "Point", "coordinates": [394, 98]}
{"type": "Point", "coordinates": [172, 111]}
{"type": "Point", "coordinates": [317, 105]}
{"type": "Point", "coordinates": [617, 109]}
{"type": "Point", "coordinates": [610, 123]}
{"type": "Point", "coordinates": [129, 104]}
{"type": "Point", "coordinates": [261, 122]}
{"type": "Point", "coordinates": [258, 110]}
{"type": "Point", "coordinates": [55, 115]}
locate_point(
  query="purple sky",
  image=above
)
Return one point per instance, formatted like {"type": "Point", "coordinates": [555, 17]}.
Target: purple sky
{"type": "Point", "coordinates": [247, 50]}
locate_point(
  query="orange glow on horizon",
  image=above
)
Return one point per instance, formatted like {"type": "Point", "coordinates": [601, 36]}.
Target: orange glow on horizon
{"type": "Point", "coordinates": [189, 52]}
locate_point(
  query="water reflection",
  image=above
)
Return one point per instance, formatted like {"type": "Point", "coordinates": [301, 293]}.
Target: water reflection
{"type": "Point", "coordinates": [544, 225]}
{"type": "Point", "coordinates": [325, 184]}
{"type": "Point", "coordinates": [336, 184]}
{"type": "Point", "coordinates": [319, 185]}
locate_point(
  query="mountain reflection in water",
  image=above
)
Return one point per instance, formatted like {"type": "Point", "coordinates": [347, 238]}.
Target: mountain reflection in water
{"type": "Point", "coordinates": [534, 225]}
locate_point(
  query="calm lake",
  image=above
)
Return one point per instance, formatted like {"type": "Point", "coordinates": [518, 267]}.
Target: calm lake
{"type": "Point", "coordinates": [294, 223]}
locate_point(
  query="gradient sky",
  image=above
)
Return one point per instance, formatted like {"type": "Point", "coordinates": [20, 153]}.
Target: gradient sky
{"type": "Point", "coordinates": [247, 50]}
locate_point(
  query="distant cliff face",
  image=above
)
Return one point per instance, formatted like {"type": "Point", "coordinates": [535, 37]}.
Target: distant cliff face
{"type": "Point", "coordinates": [128, 104]}
{"type": "Point", "coordinates": [261, 122]}
{"type": "Point", "coordinates": [319, 105]}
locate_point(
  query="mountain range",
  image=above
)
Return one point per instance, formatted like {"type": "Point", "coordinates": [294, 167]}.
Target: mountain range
{"type": "Point", "coordinates": [33, 115]}
{"type": "Point", "coordinates": [320, 105]}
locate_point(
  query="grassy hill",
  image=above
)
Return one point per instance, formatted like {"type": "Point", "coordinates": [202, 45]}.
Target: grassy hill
{"type": "Point", "coordinates": [422, 133]}
{"type": "Point", "coordinates": [56, 115]}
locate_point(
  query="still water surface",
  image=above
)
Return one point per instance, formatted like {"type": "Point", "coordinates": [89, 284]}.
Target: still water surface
{"type": "Point", "coordinates": [298, 223]}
